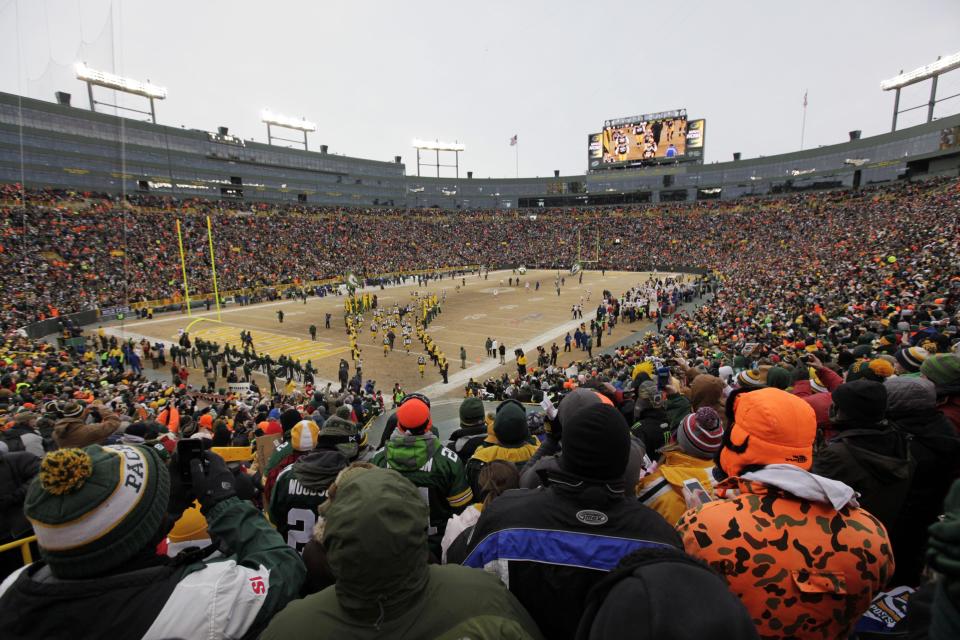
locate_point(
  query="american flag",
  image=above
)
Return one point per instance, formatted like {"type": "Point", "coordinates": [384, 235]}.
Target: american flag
{"type": "Point", "coordinates": [513, 140]}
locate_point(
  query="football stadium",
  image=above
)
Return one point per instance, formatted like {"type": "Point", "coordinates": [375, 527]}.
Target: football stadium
{"type": "Point", "coordinates": [326, 384]}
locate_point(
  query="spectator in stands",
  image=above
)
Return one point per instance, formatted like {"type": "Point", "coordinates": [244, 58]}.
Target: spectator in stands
{"type": "Point", "coordinates": [689, 456]}
{"type": "Point", "coordinates": [803, 579]}
{"type": "Point", "coordinates": [416, 453]}
{"type": "Point", "coordinates": [867, 453]}
{"type": "Point", "coordinates": [943, 369]}
{"type": "Point", "coordinates": [510, 442]}
{"type": "Point", "coordinates": [473, 429]}
{"type": "Point", "coordinates": [495, 478]}
{"type": "Point", "coordinates": [373, 533]}
{"type": "Point", "coordinates": [935, 449]}
{"type": "Point", "coordinates": [518, 536]}
{"type": "Point", "coordinates": [17, 469]}
{"type": "Point", "coordinates": [73, 430]}
{"type": "Point", "coordinates": [663, 593]}
{"type": "Point", "coordinates": [139, 593]}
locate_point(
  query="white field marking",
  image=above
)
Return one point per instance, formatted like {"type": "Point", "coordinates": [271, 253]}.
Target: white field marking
{"type": "Point", "coordinates": [462, 376]}
{"type": "Point", "coordinates": [507, 307]}
{"type": "Point", "coordinates": [475, 316]}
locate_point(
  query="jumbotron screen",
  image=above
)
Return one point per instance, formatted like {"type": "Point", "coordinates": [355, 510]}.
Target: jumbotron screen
{"type": "Point", "coordinates": [645, 140]}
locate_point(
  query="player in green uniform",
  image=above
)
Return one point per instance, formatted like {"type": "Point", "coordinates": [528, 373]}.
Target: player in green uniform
{"type": "Point", "coordinates": [416, 453]}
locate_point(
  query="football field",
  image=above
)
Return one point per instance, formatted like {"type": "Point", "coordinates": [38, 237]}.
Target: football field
{"type": "Point", "coordinates": [519, 316]}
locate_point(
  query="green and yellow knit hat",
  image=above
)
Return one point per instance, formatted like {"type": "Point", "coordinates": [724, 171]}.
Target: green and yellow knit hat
{"type": "Point", "coordinates": [96, 507]}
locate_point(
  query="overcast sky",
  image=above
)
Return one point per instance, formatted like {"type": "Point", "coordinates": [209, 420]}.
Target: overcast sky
{"type": "Point", "coordinates": [374, 75]}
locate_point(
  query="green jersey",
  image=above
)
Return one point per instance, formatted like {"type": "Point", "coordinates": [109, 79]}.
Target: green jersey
{"type": "Point", "coordinates": [299, 490]}
{"type": "Point", "coordinates": [436, 471]}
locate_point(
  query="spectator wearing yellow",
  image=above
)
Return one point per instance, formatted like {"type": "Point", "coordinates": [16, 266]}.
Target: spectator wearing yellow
{"type": "Point", "coordinates": [509, 441]}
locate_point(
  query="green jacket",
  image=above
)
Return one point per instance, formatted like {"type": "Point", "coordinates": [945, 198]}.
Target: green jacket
{"type": "Point", "coordinates": [436, 471]}
{"type": "Point", "coordinates": [255, 544]}
{"type": "Point", "coordinates": [377, 548]}
{"type": "Point", "coordinates": [677, 408]}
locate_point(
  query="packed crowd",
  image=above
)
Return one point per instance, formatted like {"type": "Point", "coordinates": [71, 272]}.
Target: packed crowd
{"type": "Point", "coordinates": [779, 462]}
{"type": "Point", "coordinates": [65, 251]}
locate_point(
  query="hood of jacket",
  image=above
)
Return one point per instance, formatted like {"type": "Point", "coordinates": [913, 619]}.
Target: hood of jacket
{"type": "Point", "coordinates": [318, 469]}
{"type": "Point", "coordinates": [908, 396]}
{"type": "Point", "coordinates": [378, 555]}
{"type": "Point", "coordinates": [879, 453]}
{"type": "Point", "coordinates": [706, 391]}
{"type": "Point", "coordinates": [407, 452]}
{"type": "Point", "coordinates": [650, 585]}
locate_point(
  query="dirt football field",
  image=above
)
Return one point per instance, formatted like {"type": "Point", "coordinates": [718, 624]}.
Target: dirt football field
{"type": "Point", "coordinates": [518, 316]}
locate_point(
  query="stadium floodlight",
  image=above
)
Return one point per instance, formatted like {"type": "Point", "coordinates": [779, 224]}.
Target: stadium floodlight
{"type": "Point", "coordinates": [298, 124]}
{"type": "Point", "coordinates": [119, 83]}
{"type": "Point", "coordinates": [272, 119]}
{"type": "Point", "coordinates": [436, 145]}
{"type": "Point", "coordinates": [931, 72]}
{"type": "Point", "coordinates": [941, 66]}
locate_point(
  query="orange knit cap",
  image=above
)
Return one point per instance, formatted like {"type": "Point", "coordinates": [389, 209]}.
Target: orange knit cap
{"type": "Point", "coordinates": [413, 415]}
{"type": "Point", "coordinates": [770, 427]}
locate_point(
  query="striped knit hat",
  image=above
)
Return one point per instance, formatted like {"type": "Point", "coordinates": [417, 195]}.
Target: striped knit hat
{"type": "Point", "coordinates": [750, 379]}
{"type": "Point", "coordinates": [304, 435]}
{"type": "Point", "coordinates": [700, 434]}
{"type": "Point", "coordinates": [94, 508]}
{"type": "Point", "coordinates": [942, 369]}
{"type": "Point", "coordinates": [911, 358]}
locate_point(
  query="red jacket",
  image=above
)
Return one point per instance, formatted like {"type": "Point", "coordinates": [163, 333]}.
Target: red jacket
{"type": "Point", "coordinates": [819, 401]}
{"type": "Point", "coordinates": [950, 407]}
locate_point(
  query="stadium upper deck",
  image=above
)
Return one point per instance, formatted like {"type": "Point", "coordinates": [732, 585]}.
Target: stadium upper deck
{"type": "Point", "coordinates": [74, 148]}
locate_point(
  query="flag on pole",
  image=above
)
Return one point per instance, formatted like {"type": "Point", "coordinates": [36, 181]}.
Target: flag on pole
{"type": "Point", "coordinates": [804, 98]}
{"type": "Point", "coordinates": [513, 140]}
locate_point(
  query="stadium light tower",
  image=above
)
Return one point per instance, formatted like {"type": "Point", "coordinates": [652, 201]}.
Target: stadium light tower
{"type": "Point", "coordinates": [931, 72]}
{"type": "Point", "coordinates": [285, 122]}
{"type": "Point", "coordinates": [437, 146]}
{"type": "Point", "coordinates": [118, 83]}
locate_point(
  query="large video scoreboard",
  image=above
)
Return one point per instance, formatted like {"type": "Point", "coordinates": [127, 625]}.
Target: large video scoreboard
{"type": "Point", "coordinates": [654, 138]}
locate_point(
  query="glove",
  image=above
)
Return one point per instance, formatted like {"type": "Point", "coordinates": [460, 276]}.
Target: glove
{"type": "Point", "coordinates": [943, 552]}
{"type": "Point", "coordinates": [213, 481]}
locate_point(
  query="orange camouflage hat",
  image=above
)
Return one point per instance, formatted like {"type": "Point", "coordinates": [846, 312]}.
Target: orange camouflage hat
{"type": "Point", "coordinates": [769, 426]}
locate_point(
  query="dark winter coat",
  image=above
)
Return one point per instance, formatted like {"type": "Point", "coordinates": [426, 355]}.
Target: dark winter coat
{"type": "Point", "coordinates": [558, 541]}
{"type": "Point", "coordinates": [875, 461]}
{"type": "Point", "coordinates": [935, 446]}
{"type": "Point", "coordinates": [17, 469]}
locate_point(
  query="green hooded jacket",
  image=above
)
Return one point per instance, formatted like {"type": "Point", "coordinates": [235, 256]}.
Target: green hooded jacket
{"type": "Point", "coordinates": [376, 543]}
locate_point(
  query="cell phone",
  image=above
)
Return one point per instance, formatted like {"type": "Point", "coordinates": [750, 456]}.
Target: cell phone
{"type": "Point", "coordinates": [188, 451]}
{"type": "Point", "coordinates": [696, 489]}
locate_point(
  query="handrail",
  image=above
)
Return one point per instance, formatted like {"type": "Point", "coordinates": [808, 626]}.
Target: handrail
{"type": "Point", "coordinates": [24, 544]}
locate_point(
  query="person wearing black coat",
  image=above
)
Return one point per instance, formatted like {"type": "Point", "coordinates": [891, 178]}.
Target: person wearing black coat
{"type": "Point", "coordinates": [652, 594]}
{"type": "Point", "coordinates": [867, 453]}
{"type": "Point", "coordinates": [17, 469]}
{"type": "Point", "coordinates": [551, 545]}
{"type": "Point", "coordinates": [935, 446]}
